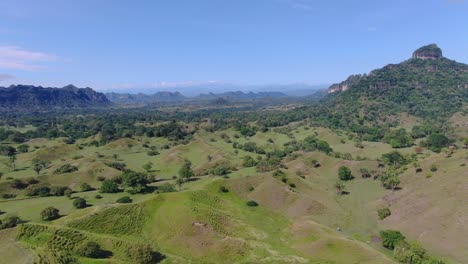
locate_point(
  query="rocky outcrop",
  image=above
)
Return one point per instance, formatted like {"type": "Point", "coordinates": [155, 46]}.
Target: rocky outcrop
{"type": "Point", "coordinates": [429, 52]}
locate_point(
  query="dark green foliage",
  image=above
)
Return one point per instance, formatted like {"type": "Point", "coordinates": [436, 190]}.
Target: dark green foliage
{"type": "Point", "coordinates": [117, 165]}
{"type": "Point", "coordinates": [268, 164]}
{"type": "Point", "coordinates": [223, 189]}
{"type": "Point", "coordinates": [248, 161]}
{"type": "Point", "coordinates": [433, 168]}
{"type": "Point", "coordinates": [279, 173]}
{"type": "Point", "coordinates": [90, 250]}
{"type": "Point", "coordinates": [252, 203]}
{"type": "Point", "coordinates": [18, 184]}
{"type": "Point", "coordinates": [40, 190]}
{"type": "Point", "coordinates": [383, 213]}
{"type": "Point", "coordinates": [79, 203]}
{"type": "Point", "coordinates": [65, 168]}
{"type": "Point", "coordinates": [109, 186]}
{"type": "Point", "coordinates": [166, 187]}
{"type": "Point", "coordinates": [50, 213]}
{"type": "Point", "coordinates": [436, 142]}
{"type": "Point", "coordinates": [58, 190]}
{"type": "Point", "coordinates": [10, 222]}
{"type": "Point", "coordinates": [152, 153]}
{"type": "Point", "coordinates": [98, 196]}
{"type": "Point", "coordinates": [23, 148]}
{"type": "Point", "coordinates": [85, 187]}
{"type": "Point", "coordinates": [124, 199]}
{"type": "Point", "coordinates": [390, 238]}
{"type": "Point", "coordinates": [186, 170]}
{"type": "Point", "coordinates": [171, 130]}
{"type": "Point", "coordinates": [344, 173]}
{"type": "Point", "coordinates": [312, 143]}
{"type": "Point", "coordinates": [7, 150]}
{"type": "Point", "coordinates": [395, 158]}
{"type": "Point", "coordinates": [135, 180]}
{"type": "Point", "coordinates": [39, 165]}
{"type": "Point", "coordinates": [398, 138]}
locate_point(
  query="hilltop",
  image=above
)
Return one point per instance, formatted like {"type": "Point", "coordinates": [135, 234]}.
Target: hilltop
{"type": "Point", "coordinates": [28, 96]}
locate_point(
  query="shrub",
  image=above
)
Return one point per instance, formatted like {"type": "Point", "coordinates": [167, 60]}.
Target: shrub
{"type": "Point", "coordinates": [50, 213]}
{"type": "Point", "coordinates": [344, 173]}
{"type": "Point", "coordinates": [152, 153]}
{"type": "Point", "coordinates": [252, 203]}
{"type": "Point", "coordinates": [383, 213]}
{"type": "Point", "coordinates": [18, 184]}
{"type": "Point", "coordinates": [98, 196]}
{"type": "Point", "coordinates": [41, 190]}
{"type": "Point", "coordinates": [58, 190]}
{"type": "Point", "coordinates": [90, 250]}
{"type": "Point", "coordinates": [10, 222]}
{"type": "Point", "coordinates": [65, 168]}
{"type": "Point", "coordinates": [85, 187]}
{"type": "Point", "coordinates": [8, 196]}
{"type": "Point", "coordinates": [79, 203]}
{"type": "Point", "coordinates": [166, 187]}
{"type": "Point", "coordinates": [433, 168]}
{"type": "Point", "coordinates": [109, 186]}
{"type": "Point", "coordinates": [251, 189]}
{"type": "Point", "coordinates": [292, 185]}
{"type": "Point", "coordinates": [390, 238]}
{"type": "Point", "coordinates": [100, 178]}
{"type": "Point", "coordinates": [279, 173]}
{"type": "Point", "coordinates": [124, 199]}
{"type": "Point", "coordinates": [223, 189]}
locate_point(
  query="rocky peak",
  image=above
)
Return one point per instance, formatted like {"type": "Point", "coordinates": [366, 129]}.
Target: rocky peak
{"type": "Point", "coordinates": [429, 52]}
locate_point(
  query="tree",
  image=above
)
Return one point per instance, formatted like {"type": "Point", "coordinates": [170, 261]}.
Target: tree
{"type": "Point", "coordinates": [383, 213]}
{"type": "Point", "coordinates": [50, 213]}
{"type": "Point", "coordinates": [90, 250]}
{"type": "Point", "coordinates": [186, 170]}
{"type": "Point", "coordinates": [248, 161]}
{"type": "Point", "coordinates": [85, 187]}
{"type": "Point", "coordinates": [394, 158]}
{"type": "Point", "coordinates": [23, 148]}
{"type": "Point", "coordinates": [148, 166]}
{"type": "Point", "coordinates": [79, 203]}
{"type": "Point", "coordinates": [365, 173]}
{"type": "Point", "coordinates": [436, 142]}
{"type": "Point", "coordinates": [340, 187]}
{"type": "Point", "coordinates": [390, 238]}
{"type": "Point", "coordinates": [11, 163]}
{"type": "Point", "coordinates": [39, 165]}
{"type": "Point", "coordinates": [344, 173]}
{"type": "Point", "coordinates": [9, 222]}
{"type": "Point", "coordinates": [135, 180]}
{"type": "Point", "coordinates": [109, 186]}
{"type": "Point", "coordinates": [179, 181]}
{"type": "Point", "coordinates": [125, 199]}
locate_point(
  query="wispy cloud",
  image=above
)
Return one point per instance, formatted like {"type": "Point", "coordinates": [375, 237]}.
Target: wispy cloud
{"type": "Point", "coordinates": [4, 77]}
{"type": "Point", "coordinates": [17, 58]}
{"type": "Point", "coordinates": [304, 5]}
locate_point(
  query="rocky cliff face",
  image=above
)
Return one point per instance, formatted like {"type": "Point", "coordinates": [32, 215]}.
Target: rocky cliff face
{"type": "Point", "coordinates": [429, 52]}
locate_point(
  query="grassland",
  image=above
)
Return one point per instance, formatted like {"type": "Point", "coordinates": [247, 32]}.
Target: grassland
{"type": "Point", "coordinates": [308, 223]}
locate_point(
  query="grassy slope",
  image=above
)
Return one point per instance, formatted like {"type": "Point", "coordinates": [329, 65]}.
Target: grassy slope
{"type": "Point", "coordinates": [300, 211]}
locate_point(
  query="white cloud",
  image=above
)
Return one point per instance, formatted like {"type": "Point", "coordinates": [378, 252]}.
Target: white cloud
{"type": "Point", "coordinates": [17, 58]}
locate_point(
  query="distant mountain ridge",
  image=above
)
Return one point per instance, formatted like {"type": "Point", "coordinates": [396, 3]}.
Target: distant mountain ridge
{"type": "Point", "coordinates": [127, 98]}
{"type": "Point", "coordinates": [27, 96]}
{"type": "Point", "coordinates": [141, 98]}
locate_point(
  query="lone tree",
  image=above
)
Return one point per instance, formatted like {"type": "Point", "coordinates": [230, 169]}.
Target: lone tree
{"type": "Point", "coordinates": [340, 187]}
{"type": "Point", "coordinates": [39, 165]}
{"type": "Point", "coordinates": [148, 166]}
{"type": "Point", "coordinates": [186, 170]}
{"type": "Point", "coordinates": [391, 238]}
{"type": "Point", "coordinates": [50, 213]}
{"type": "Point", "coordinates": [109, 186]}
{"type": "Point", "coordinates": [79, 203]}
{"type": "Point", "coordinates": [179, 181]}
{"type": "Point", "coordinates": [344, 173]}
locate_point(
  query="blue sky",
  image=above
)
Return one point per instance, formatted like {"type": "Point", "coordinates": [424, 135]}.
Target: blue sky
{"type": "Point", "coordinates": [125, 45]}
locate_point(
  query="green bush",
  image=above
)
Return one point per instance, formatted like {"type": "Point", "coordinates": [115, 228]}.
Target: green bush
{"type": "Point", "coordinates": [85, 187]}
{"type": "Point", "coordinates": [50, 213]}
{"type": "Point", "coordinates": [9, 222]}
{"type": "Point", "coordinates": [90, 250]}
{"type": "Point", "coordinates": [166, 187]}
{"type": "Point", "coordinates": [125, 199]}
{"type": "Point", "coordinates": [383, 213]}
{"type": "Point", "coordinates": [344, 173]}
{"type": "Point", "coordinates": [390, 238]}
{"type": "Point", "coordinates": [252, 203]}
{"type": "Point", "coordinates": [109, 186]}
{"type": "Point", "coordinates": [223, 189]}
{"type": "Point", "coordinates": [433, 168]}
{"type": "Point", "coordinates": [65, 168]}
{"type": "Point", "coordinates": [79, 203]}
